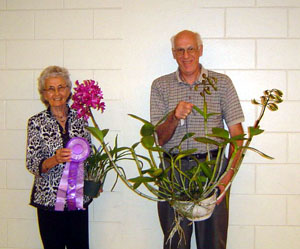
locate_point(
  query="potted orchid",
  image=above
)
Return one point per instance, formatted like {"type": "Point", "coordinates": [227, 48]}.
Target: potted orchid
{"type": "Point", "coordinates": [192, 193]}
{"type": "Point", "coordinates": [197, 198]}
{"type": "Point", "coordinates": [88, 95]}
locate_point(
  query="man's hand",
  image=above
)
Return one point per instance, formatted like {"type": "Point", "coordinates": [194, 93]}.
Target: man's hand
{"type": "Point", "coordinates": [166, 130]}
{"type": "Point", "coordinates": [183, 109]}
{"type": "Point", "coordinates": [223, 183]}
{"type": "Point", "coordinates": [234, 130]}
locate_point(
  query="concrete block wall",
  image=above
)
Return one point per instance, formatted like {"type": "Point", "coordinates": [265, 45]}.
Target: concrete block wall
{"type": "Point", "coordinates": [124, 45]}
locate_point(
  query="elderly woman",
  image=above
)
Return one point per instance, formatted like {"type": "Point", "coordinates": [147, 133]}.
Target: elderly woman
{"type": "Point", "coordinates": [47, 135]}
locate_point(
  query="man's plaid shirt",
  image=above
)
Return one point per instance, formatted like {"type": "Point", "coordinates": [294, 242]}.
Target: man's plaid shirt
{"type": "Point", "coordinates": [168, 90]}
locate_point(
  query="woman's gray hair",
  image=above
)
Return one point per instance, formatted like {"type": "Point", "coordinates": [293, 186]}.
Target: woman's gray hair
{"type": "Point", "coordinates": [49, 72]}
{"type": "Point", "coordinates": [198, 38]}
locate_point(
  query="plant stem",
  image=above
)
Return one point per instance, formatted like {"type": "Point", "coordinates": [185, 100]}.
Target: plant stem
{"type": "Point", "coordinates": [242, 155]}
{"type": "Point", "coordinates": [116, 167]}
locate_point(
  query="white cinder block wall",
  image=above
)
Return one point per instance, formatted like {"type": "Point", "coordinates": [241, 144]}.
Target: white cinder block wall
{"type": "Point", "coordinates": [124, 45]}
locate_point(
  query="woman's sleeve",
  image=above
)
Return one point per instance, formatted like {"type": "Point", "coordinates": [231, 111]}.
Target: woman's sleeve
{"type": "Point", "coordinates": [34, 154]}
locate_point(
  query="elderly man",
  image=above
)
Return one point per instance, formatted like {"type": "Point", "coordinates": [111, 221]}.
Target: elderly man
{"type": "Point", "coordinates": [175, 93]}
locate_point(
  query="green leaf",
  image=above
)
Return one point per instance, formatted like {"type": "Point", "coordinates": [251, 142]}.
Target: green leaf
{"type": "Point", "coordinates": [187, 136]}
{"type": "Point", "coordinates": [202, 179]}
{"type": "Point", "coordinates": [238, 137]}
{"type": "Point", "coordinates": [147, 142]}
{"type": "Point", "coordinates": [206, 140]}
{"type": "Point", "coordinates": [157, 149]}
{"type": "Point", "coordinates": [154, 172]}
{"type": "Point", "coordinates": [145, 171]}
{"type": "Point", "coordinates": [116, 150]}
{"type": "Point", "coordinates": [220, 132]}
{"type": "Point", "coordinates": [259, 152]}
{"type": "Point", "coordinates": [213, 114]}
{"type": "Point", "coordinates": [211, 162]}
{"type": "Point", "coordinates": [105, 131]}
{"type": "Point", "coordinates": [198, 110]}
{"type": "Point", "coordinates": [138, 118]}
{"type": "Point", "coordinates": [147, 130]}
{"type": "Point", "coordinates": [206, 170]}
{"type": "Point", "coordinates": [188, 152]}
{"type": "Point", "coordinates": [162, 119]}
{"type": "Point", "coordinates": [96, 133]}
{"type": "Point", "coordinates": [142, 179]}
{"type": "Point", "coordinates": [136, 185]}
{"type": "Point", "coordinates": [135, 145]}
{"type": "Point", "coordinates": [185, 153]}
{"type": "Point", "coordinates": [254, 131]}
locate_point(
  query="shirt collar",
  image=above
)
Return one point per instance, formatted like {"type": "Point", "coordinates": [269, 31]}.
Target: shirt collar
{"type": "Point", "coordinates": [200, 78]}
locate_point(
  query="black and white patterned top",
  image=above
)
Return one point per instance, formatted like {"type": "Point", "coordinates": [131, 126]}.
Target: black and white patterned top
{"type": "Point", "coordinates": [44, 137]}
{"type": "Point", "coordinates": [168, 90]}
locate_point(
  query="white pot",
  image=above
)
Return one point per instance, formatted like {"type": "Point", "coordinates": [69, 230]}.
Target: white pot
{"type": "Point", "coordinates": [198, 211]}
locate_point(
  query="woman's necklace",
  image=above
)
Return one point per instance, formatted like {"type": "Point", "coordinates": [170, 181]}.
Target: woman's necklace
{"type": "Point", "coordinates": [61, 119]}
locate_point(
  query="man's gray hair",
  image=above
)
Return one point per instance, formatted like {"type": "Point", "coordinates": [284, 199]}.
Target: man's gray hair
{"type": "Point", "coordinates": [197, 35]}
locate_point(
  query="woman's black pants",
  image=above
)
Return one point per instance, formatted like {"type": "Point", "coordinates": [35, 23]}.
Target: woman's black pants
{"type": "Point", "coordinates": [60, 229]}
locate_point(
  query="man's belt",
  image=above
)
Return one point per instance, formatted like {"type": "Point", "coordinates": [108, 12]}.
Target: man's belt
{"type": "Point", "coordinates": [213, 153]}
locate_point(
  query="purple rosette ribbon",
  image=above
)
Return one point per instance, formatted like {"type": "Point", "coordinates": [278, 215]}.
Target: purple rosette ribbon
{"type": "Point", "coordinates": [70, 188]}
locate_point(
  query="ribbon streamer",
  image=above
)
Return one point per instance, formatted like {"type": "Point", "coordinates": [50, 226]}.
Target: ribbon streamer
{"type": "Point", "coordinates": [70, 188]}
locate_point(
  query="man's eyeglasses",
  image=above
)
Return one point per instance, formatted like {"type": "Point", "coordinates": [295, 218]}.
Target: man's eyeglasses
{"type": "Point", "coordinates": [181, 51]}
{"type": "Point", "coordinates": [52, 90]}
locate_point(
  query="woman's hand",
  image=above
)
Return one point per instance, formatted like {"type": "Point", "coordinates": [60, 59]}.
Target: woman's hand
{"type": "Point", "coordinates": [63, 155]}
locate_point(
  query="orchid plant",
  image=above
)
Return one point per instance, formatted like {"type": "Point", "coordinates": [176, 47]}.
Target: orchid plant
{"type": "Point", "coordinates": [161, 181]}
{"type": "Point", "coordinates": [192, 193]}
{"type": "Point", "coordinates": [88, 95]}
{"type": "Point", "coordinates": [206, 176]}
{"type": "Point", "coordinates": [196, 199]}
